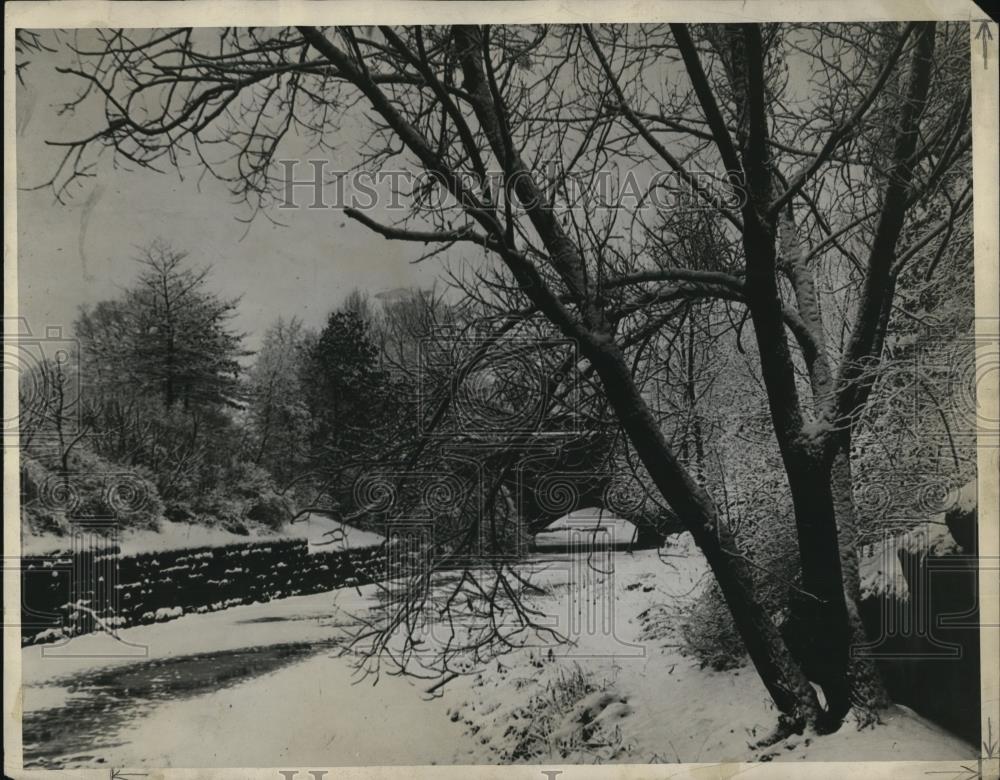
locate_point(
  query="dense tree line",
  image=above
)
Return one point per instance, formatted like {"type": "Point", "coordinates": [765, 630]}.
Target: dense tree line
{"type": "Point", "coordinates": [161, 391]}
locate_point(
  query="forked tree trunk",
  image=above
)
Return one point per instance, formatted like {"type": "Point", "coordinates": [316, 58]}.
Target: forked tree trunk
{"type": "Point", "coordinates": [827, 620]}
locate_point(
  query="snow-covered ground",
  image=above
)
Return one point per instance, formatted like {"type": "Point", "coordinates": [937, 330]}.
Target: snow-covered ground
{"type": "Point", "coordinates": [262, 685]}
{"type": "Point", "coordinates": [586, 527]}
{"type": "Point", "coordinates": [321, 531]}
{"type": "Point", "coordinates": [654, 704]}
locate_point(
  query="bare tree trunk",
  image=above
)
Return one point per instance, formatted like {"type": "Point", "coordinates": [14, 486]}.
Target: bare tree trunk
{"type": "Point", "coordinates": [782, 677]}
{"type": "Point", "coordinates": [827, 623]}
{"type": "Point", "coordinates": [867, 691]}
{"type": "Point", "coordinates": [822, 616]}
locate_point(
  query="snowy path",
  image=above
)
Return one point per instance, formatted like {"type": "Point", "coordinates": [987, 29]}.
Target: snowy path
{"type": "Point", "coordinates": [305, 714]}
{"type": "Point", "coordinates": [250, 686]}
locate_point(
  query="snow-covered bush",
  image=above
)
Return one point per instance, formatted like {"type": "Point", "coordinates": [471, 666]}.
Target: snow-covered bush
{"type": "Point", "coordinates": [92, 487]}
{"type": "Point", "coordinates": [766, 537]}
{"type": "Point", "coordinates": [708, 633]}
{"type": "Point", "coordinates": [216, 508]}
{"type": "Point", "coordinates": [240, 505]}
{"type": "Point", "coordinates": [271, 510]}
{"type": "Point", "coordinates": [37, 517]}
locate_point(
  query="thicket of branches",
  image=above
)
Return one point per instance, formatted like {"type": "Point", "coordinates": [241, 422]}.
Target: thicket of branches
{"type": "Point", "coordinates": [817, 231]}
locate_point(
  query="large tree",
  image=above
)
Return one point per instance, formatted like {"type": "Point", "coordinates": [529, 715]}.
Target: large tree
{"type": "Point", "coordinates": [836, 157]}
{"type": "Point", "coordinates": [161, 366]}
{"type": "Point", "coordinates": [169, 334]}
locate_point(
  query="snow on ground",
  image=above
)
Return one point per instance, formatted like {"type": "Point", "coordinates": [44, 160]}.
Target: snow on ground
{"type": "Point", "coordinates": [323, 533]}
{"type": "Point", "coordinates": [652, 703]}
{"type": "Point", "coordinates": [312, 710]}
{"type": "Point", "coordinates": [587, 526]}
{"type": "Point", "coordinates": [261, 685]}
{"type": "Point", "coordinates": [308, 714]}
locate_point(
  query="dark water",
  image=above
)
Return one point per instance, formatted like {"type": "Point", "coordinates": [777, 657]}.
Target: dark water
{"type": "Point", "coordinates": [75, 734]}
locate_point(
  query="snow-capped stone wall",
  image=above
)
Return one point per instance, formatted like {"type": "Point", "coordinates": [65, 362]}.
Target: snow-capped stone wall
{"type": "Point", "coordinates": [68, 594]}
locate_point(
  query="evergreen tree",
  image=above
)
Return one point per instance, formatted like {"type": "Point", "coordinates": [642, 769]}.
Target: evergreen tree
{"type": "Point", "coordinates": [347, 387]}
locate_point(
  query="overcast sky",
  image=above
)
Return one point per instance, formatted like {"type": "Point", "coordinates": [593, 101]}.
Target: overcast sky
{"type": "Point", "coordinates": [82, 252]}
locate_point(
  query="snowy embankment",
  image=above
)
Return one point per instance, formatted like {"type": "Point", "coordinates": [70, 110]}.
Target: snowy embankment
{"type": "Point", "coordinates": [622, 696]}
{"type": "Point", "coordinates": [620, 692]}
{"type": "Point", "coordinates": [323, 532]}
